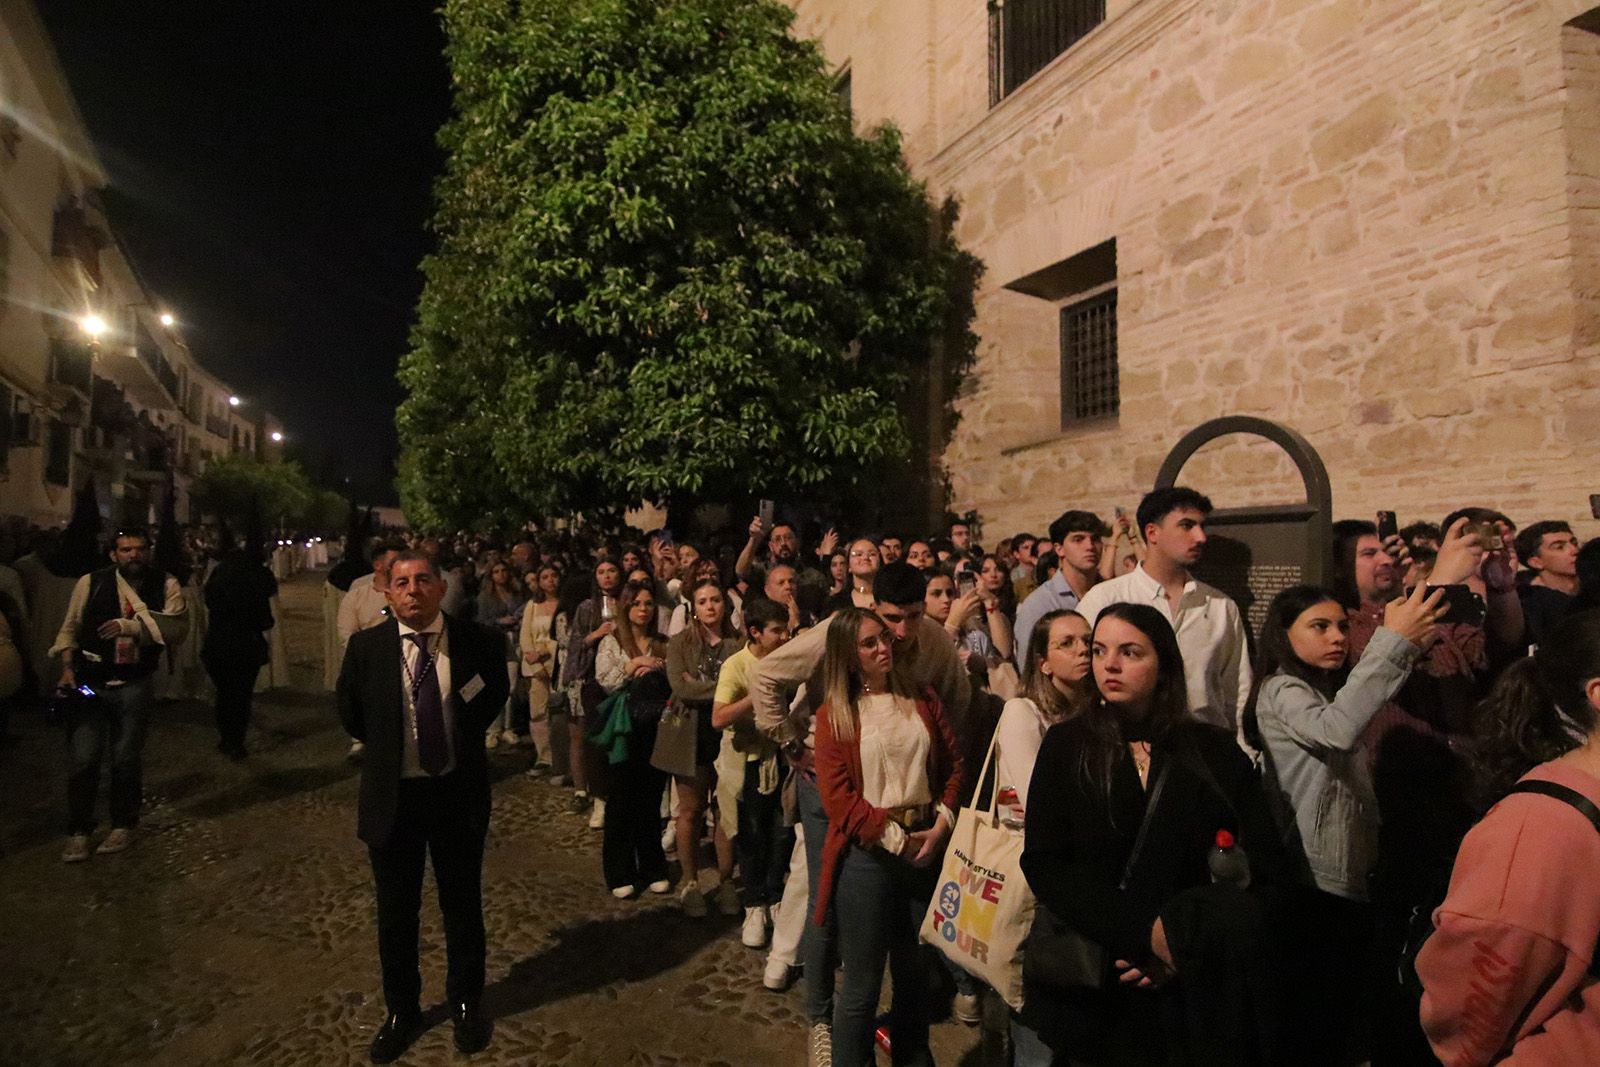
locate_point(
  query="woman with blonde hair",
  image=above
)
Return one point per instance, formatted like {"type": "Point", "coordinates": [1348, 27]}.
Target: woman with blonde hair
{"type": "Point", "coordinates": [694, 661]}
{"type": "Point", "coordinates": [889, 772]}
{"type": "Point", "coordinates": [537, 641]}
{"type": "Point", "coordinates": [1055, 687]}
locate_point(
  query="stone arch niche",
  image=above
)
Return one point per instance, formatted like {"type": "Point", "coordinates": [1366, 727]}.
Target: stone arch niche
{"type": "Point", "coordinates": [1255, 552]}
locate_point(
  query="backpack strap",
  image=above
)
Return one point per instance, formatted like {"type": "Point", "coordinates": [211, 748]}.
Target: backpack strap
{"type": "Point", "coordinates": [1566, 795]}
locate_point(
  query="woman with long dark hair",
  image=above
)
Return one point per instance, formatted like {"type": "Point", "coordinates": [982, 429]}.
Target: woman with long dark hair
{"type": "Point", "coordinates": [862, 560]}
{"type": "Point", "coordinates": [1134, 766]}
{"type": "Point", "coordinates": [694, 661]}
{"type": "Point", "coordinates": [1509, 973]}
{"type": "Point", "coordinates": [592, 622]}
{"type": "Point", "coordinates": [889, 772]}
{"type": "Point", "coordinates": [500, 601]}
{"type": "Point", "coordinates": [1307, 714]}
{"type": "Point", "coordinates": [634, 655]}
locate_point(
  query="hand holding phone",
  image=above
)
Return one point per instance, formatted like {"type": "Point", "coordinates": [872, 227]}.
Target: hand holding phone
{"type": "Point", "coordinates": [1388, 526]}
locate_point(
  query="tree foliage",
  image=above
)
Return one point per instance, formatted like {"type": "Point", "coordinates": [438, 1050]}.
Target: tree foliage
{"type": "Point", "coordinates": [232, 486]}
{"type": "Point", "coordinates": [668, 267]}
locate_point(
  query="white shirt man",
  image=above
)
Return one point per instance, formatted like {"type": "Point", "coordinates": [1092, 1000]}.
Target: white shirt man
{"type": "Point", "coordinates": [1209, 628]}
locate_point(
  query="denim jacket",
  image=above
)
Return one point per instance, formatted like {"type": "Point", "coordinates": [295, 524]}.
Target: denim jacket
{"type": "Point", "coordinates": [1318, 782]}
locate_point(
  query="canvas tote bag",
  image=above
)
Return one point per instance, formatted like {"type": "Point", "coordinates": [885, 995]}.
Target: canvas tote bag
{"type": "Point", "coordinates": [982, 909]}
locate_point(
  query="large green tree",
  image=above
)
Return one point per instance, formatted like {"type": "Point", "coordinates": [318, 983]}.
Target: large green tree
{"type": "Point", "coordinates": [668, 268]}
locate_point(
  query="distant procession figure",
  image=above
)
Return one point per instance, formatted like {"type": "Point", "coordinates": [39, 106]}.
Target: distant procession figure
{"type": "Point", "coordinates": [420, 690]}
{"type": "Point", "coordinates": [238, 595]}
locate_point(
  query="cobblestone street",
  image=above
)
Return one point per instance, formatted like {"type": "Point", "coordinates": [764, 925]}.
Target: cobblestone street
{"type": "Point", "coordinates": [240, 928]}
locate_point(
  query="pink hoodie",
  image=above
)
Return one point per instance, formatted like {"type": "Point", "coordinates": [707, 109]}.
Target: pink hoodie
{"type": "Point", "coordinates": [1506, 970]}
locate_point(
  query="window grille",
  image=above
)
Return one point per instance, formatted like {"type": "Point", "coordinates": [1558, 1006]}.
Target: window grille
{"type": "Point", "coordinates": [1025, 35]}
{"type": "Point", "coordinates": [1089, 385]}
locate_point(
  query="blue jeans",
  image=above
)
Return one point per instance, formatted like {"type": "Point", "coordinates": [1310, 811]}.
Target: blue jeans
{"type": "Point", "coordinates": [1027, 1047]}
{"type": "Point", "coordinates": [116, 720]}
{"type": "Point", "coordinates": [819, 950]}
{"type": "Point", "coordinates": [879, 901]}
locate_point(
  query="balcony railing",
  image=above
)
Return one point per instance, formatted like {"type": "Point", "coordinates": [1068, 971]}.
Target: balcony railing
{"type": "Point", "coordinates": [1025, 35]}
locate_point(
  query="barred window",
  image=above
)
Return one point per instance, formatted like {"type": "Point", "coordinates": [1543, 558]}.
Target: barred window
{"type": "Point", "coordinates": [1025, 35]}
{"type": "Point", "coordinates": [1089, 388]}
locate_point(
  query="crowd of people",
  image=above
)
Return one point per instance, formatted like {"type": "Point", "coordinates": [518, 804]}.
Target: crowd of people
{"type": "Point", "coordinates": [1369, 832]}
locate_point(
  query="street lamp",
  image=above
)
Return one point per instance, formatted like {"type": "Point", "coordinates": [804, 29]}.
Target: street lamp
{"type": "Point", "coordinates": [277, 437]}
{"type": "Point", "coordinates": [167, 319]}
{"type": "Point", "coordinates": [234, 401]}
{"type": "Point", "coordinates": [93, 325]}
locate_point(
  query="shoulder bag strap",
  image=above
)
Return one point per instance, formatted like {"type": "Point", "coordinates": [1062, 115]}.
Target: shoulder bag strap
{"type": "Point", "coordinates": [1144, 825]}
{"type": "Point", "coordinates": [1561, 793]}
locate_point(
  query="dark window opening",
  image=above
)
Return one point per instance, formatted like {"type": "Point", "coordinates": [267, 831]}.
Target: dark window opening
{"type": "Point", "coordinates": [1025, 35]}
{"type": "Point", "coordinates": [1089, 377]}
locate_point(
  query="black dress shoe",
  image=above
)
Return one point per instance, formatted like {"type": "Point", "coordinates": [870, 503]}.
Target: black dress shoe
{"type": "Point", "coordinates": [396, 1034]}
{"type": "Point", "coordinates": [472, 1032]}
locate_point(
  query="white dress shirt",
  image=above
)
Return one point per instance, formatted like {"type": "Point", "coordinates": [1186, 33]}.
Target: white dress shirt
{"type": "Point", "coordinates": [361, 608]}
{"type": "Point", "coordinates": [411, 763]}
{"type": "Point", "coordinates": [1211, 637]}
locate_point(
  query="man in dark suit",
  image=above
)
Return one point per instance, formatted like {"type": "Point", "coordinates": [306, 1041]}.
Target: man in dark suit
{"type": "Point", "coordinates": [420, 690]}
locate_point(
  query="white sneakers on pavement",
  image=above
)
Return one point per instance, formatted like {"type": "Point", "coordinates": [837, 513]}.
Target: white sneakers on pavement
{"type": "Point", "coordinates": [776, 975]}
{"type": "Point", "coordinates": [77, 849]}
{"type": "Point", "coordinates": [622, 892]}
{"type": "Point", "coordinates": [661, 887]}
{"type": "Point", "coordinates": [597, 814]}
{"type": "Point", "coordinates": [510, 738]}
{"type": "Point", "coordinates": [491, 740]}
{"type": "Point", "coordinates": [117, 840]}
{"type": "Point", "coordinates": [356, 749]}
{"type": "Point", "coordinates": [754, 934]}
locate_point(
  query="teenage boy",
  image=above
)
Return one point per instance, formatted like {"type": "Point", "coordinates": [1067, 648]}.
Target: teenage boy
{"type": "Point", "coordinates": [750, 795]}
{"type": "Point", "coordinates": [1551, 551]}
{"type": "Point", "coordinates": [1076, 537]}
{"type": "Point", "coordinates": [1210, 632]}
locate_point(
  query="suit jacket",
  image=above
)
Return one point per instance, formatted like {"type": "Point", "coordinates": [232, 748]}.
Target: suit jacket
{"type": "Point", "coordinates": [372, 708]}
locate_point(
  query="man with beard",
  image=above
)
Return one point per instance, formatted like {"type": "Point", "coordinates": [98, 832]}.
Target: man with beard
{"type": "Point", "coordinates": [1216, 662]}
{"type": "Point", "coordinates": [119, 621]}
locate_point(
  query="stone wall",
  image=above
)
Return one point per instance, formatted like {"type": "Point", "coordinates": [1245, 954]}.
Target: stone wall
{"type": "Point", "coordinates": [1369, 221]}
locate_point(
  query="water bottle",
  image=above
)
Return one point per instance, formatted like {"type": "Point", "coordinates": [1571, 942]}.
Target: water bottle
{"type": "Point", "coordinates": [1228, 861]}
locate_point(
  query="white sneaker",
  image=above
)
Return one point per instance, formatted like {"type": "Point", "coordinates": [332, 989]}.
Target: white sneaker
{"type": "Point", "coordinates": [491, 741]}
{"type": "Point", "coordinates": [821, 1045]}
{"type": "Point", "coordinates": [727, 898]}
{"type": "Point", "coordinates": [776, 975]}
{"type": "Point", "coordinates": [354, 755]}
{"type": "Point", "coordinates": [754, 934]}
{"type": "Point", "coordinates": [597, 815]}
{"type": "Point", "coordinates": [510, 738]}
{"type": "Point", "coordinates": [693, 901]}
{"type": "Point", "coordinates": [669, 840]}
{"type": "Point", "coordinates": [117, 840]}
{"type": "Point", "coordinates": [660, 887]}
{"type": "Point", "coordinates": [77, 849]}
{"type": "Point", "coordinates": [622, 892]}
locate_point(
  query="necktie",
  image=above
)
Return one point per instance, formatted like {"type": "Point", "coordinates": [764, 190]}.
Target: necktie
{"type": "Point", "coordinates": [433, 751]}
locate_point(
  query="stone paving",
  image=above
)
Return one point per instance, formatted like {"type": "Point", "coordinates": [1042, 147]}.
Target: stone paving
{"type": "Point", "coordinates": [240, 928]}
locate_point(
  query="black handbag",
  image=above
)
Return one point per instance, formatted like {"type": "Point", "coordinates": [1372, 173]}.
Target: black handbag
{"type": "Point", "coordinates": [1057, 956]}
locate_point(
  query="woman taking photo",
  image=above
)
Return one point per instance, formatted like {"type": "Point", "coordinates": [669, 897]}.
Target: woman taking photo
{"type": "Point", "coordinates": [500, 604]}
{"type": "Point", "coordinates": [694, 661]}
{"type": "Point", "coordinates": [1509, 972]}
{"type": "Point", "coordinates": [592, 622]}
{"type": "Point", "coordinates": [1135, 767]}
{"type": "Point", "coordinates": [862, 561]}
{"type": "Point", "coordinates": [537, 642]}
{"type": "Point", "coordinates": [1307, 716]}
{"type": "Point", "coordinates": [634, 655]}
{"type": "Point", "coordinates": [889, 773]}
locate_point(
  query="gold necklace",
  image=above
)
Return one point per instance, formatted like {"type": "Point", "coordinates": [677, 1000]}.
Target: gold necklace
{"type": "Point", "coordinates": [1142, 766]}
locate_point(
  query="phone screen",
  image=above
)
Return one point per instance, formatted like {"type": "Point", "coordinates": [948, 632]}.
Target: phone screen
{"type": "Point", "coordinates": [1387, 525]}
{"type": "Point", "coordinates": [1461, 606]}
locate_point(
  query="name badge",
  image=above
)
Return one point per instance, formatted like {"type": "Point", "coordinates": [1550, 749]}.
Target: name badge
{"type": "Point", "coordinates": [472, 688]}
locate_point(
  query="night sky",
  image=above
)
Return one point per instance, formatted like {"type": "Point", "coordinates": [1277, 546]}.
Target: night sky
{"type": "Point", "coordinates": [272, 166]}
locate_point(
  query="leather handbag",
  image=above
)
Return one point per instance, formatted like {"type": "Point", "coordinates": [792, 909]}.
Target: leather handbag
{"type": "Point", "coordinates": [676, 735]}
{"type": "Point", "coordinates": [1059, 957]}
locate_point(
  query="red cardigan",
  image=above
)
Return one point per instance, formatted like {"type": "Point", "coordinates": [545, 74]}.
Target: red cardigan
{"type": "Point", "coordinates": [851, 820]}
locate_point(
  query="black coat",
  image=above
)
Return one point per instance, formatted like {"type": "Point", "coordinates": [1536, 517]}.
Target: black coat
{"type": "Point", "coordinates": [372, 708]}
{"type": "Point", "coordinates": [239, 596]}
{"type": "Point", "coordinates": [1077, 846]}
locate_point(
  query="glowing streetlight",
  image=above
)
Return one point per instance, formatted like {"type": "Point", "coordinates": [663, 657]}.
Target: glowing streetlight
{"type": "Point", "coordinates": [93, 325]}
{"type": "Point", "coordinates": [167, 319]}
{"type": "Point", "coordinates": [277, 437]}
{"type": "Point", "coordinates": [234, 401]}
